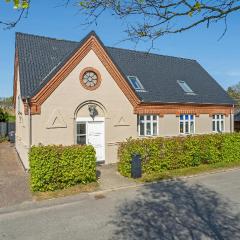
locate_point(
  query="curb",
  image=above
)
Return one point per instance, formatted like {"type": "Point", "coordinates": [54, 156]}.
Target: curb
{"type": "Point", "coordinates": [163, 180]}
{"type": "Point", "coordinates": [45, 204]}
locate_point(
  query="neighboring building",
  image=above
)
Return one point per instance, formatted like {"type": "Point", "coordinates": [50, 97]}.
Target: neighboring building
{"type": "Point", "coordinates": [86, 93]}
{"type": "Point", "coordinates": [237, 121]}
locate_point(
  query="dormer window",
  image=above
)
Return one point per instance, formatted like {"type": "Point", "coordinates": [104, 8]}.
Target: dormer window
{"type": "Point", "coordinates": [135, 83]}
{"type": "Point", "coordinates": [185, 87]}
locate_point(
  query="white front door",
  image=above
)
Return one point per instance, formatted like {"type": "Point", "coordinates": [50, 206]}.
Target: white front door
{"type": "Point", "coordinates": [92, 133]}
{"type": "Point", "coordinates": [95, 137]}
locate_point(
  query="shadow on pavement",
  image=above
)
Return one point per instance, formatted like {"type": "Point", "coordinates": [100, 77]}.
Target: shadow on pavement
{"type": "Point", "coordinates": [175, 210]}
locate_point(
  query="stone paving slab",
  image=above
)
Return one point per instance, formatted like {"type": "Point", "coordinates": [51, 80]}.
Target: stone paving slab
{"type": "Point", "coordinates": [14, 186]}
{"type": "Point", "coordinates": [110, 178]}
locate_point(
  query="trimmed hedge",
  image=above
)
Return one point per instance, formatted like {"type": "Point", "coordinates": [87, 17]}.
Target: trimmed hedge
{"type": "Point", "coordinates": [161, 154]}
{"type": "Point", "coordinates": [55, 167]}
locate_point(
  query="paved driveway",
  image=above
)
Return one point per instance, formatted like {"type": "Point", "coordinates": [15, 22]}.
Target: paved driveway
{"type": "Point", "coordinates": [13, 179]}
{"type": "Point", "coordinates": [203, 207]}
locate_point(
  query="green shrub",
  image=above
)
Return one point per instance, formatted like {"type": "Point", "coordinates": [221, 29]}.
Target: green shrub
{"type": "Point", "coordinates": [56, 167]}
{"type": "Point", "coordinates": [163, 154]}
{"type": "Point", "coordinates": [3, 115]}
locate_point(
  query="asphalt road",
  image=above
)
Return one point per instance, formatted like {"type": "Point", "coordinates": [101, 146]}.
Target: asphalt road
{"type": "Point", "coordinates": [203, 207]}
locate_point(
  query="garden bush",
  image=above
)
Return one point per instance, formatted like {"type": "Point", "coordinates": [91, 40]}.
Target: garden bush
{"type": "Point", "coordinates": [163, 154]}
{"type": "Point", "coordinates": [55, 167]}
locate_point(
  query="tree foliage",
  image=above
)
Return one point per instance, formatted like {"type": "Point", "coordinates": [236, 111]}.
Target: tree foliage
{"type": "Point", "coordinates": [151, 19]}
{"type": "Point", "coordinates": [19, 5]}
{"type": "Point", "coordinates": [24, 4]}
{"type": "Point", "coordinates": [148, 19]}
{"type": "Point", "coordinates": [234, 92]}
{"type": "Point", "coordinates": [3, 115]}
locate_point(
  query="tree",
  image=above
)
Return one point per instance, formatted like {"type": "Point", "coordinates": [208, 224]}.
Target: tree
{"type": "Point", "coordinates": [21, 6]}
{"type": "Point", "coordinates": [3, 115]}
{"type": "Point", "coordinates": [234, 92]}
{"type": "Point", "coordinates": [150, 19]}
{"type": "Point", "coordinates": [155, 18]}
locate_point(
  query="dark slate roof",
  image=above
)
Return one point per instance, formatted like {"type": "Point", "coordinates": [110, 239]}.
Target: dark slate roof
{"type": "Point", "coordinates": [41, 57]}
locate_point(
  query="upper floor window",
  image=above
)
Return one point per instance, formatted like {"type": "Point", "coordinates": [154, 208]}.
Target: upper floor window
{"type": "Point", "coordinates": [135, 83]}
{"type": "Point", "coordinates": [148, 125]}
{"type": "Point", "coordinates": [218, 123]}
{"type": "Point", "coordinates": [185, 87]}
{"type": "Point", "coordinates": [187, 124]}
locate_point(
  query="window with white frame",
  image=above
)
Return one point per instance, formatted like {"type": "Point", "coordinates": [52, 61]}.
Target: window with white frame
{"type": "Point", "coordinates": [187, 123]}
{"type": "Point", "coordinates": [135, 83]}
{"type": "Point", "coordinates": [81, 133]}
{"type": "Point", "coordinates": [185, 87]}
{"type": "Point", "coordinates": [148, 125]}
{"type": "Point", "coordinates": [218, 123]}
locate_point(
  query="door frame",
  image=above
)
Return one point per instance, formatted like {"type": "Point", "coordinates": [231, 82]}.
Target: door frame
{"type": "Point", "coordinates": [89, 119]}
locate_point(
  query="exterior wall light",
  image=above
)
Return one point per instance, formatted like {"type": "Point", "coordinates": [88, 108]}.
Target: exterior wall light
{"type": "Point", "coordinates": [92, 110]}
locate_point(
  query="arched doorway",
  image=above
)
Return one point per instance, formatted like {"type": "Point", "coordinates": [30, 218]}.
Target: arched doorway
{"type": "Point", "coordinates": [90, 127]}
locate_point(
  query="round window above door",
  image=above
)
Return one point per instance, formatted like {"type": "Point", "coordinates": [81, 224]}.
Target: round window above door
{"type": "Point", "coordinates": [90, 78]}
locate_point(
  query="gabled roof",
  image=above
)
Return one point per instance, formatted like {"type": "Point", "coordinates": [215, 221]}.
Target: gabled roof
{"type": "Point", "coordinates": [40, 58]}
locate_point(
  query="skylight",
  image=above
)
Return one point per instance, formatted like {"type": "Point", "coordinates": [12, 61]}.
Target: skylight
{"type": "Point", "coordinates": [135, 83]}
{"type": "Point", "coordinates": [185, 87]}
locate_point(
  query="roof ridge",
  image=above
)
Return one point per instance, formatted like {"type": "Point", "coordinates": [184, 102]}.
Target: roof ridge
{"type": "Point", "coordinates": [156, 54]}
{"type": "Point", "coordinates": [126, 49]}
{"type": "Point", "coordinates": [52, 38]}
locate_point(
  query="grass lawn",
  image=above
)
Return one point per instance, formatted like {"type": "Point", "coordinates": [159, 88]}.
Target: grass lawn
{"type": "Point", "coordinates": [38, 196]}
{"type": "Point", "coordinates": [204, 168]}
{"type": "Point", "coordinates": [11, 118]}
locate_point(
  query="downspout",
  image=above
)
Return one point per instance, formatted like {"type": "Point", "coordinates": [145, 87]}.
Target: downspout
{"type": "Point", "coordinates": [232, 119]}
{"type": "Point", "coordinates": [29, 123]}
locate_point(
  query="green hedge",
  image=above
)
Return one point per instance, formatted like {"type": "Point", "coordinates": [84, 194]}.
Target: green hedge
{"type": "Point", "coordinates": [160, 154]}
{"type": "Point", "coordinates": [55, 167]}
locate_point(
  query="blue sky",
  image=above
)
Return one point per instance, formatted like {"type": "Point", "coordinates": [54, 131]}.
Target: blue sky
{"type": "Point", "coordinates": [220, 58]}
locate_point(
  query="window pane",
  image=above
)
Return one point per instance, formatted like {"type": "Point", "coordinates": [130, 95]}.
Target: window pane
{"type": "Point", "coordinates": [214, 126]}
{"type": "Point", "coordinates": [148, 130]}
{"type": "Point", "coordinates": [81, 140]}
{"type": "Point", "coordinates": [181, 127]}
{"type": "Point", "coordinates": [185, 86]}
{"type": "Point", "coordinates": [221, 116]}
{"type": "Point", "coordinates": [148, 117]}
{"type": "Point", "coordinates": [214, 116]}
{"type": "Point", "coordinates": [191, 117]}
{"type": "Point", "coordinates": [186, 117]}
{"type": "Point", "coordinates": [141, 128]}
{"type": "Point", "coordinates": [218, 126]}
{"type": "Point", "coordinates": [222, 126]}
{"type": "Point", "coordinates": [181, 117]}
{"type": "Point", "coordinates": [154, 117]}
{"type": "Point", "coordinates": [135, 84]}
{"type": "Point", "coordinates": [81, 128]}
{"type": "Point", "coordinates": [186, 127]}
{"type": "Point", "coordinates": [217, 116]}
{"type": "Point", "coordinates": [141, 118]}
{"type": "Point", "coordinates": [192, 127]}
{"type": "Point", "coordinates": [154, 128]}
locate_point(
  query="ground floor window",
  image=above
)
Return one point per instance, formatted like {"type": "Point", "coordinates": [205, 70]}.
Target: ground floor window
{"type": "Point", "coordinates": [218, 123]}
{"type": "Point", "coordinates": [81, 133]}
{"type": "Point", "coordinates": [187, 123]}
{"type": "Point", "coordinates": [148, 125]}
